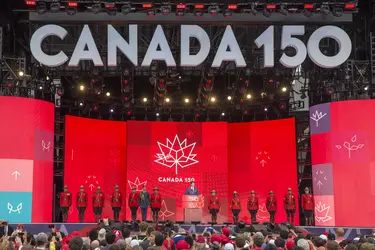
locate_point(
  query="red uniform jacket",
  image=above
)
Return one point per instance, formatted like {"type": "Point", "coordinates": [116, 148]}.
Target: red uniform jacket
{"type": "Point", "coordinates": [289, 202]}
{"type": "Point", "coordinates": [271, 203]}
{"type": "Point", "coordinates": [65, 199]}
{"type": "Point", "coordinates": [155, 201]}
{"type": "Point", "coordinates": [214, 203]}
{"type": "Point", "coordinates": [252, 203]}
{"type": "Point", "coordinates": [307, 201]}
{"type": "Point", "coordinates": [116, 199]}
{"type": "Point", "coordinates": [235, 203]}
{"type": "Point", "coordinates": [81, 199]}
{"type": "Point", "coordinates": [98, 199]}
{"type": "Point", "coordinates": [134, 199]}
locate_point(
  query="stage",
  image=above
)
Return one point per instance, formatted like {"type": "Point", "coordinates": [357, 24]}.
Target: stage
{"type": "Point", "coordinates": [84, 228]}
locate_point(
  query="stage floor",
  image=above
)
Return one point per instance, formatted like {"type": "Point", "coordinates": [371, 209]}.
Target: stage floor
{"type": "Point", "coordinates": [84, 228]}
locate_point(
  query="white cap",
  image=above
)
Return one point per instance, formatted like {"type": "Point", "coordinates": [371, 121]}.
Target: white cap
{"type": "Point", "coordinates": [229, 246]}
{"type": "Point", "coordinates": [134, 243]}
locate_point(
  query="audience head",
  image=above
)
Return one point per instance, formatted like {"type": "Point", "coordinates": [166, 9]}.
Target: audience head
{"type": "Point", "coordinates": [258, 240]}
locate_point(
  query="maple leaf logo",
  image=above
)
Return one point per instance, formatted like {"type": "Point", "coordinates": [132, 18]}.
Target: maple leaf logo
{"type": "Point", "coordinates": [176, 154]}
{"type": "Point", "coordinates": [317, 116]}
{"type": "Point", "coordinates": [263, 214]}
{"type": "Point", "coordinates": [164, 212]}
{"type": "Point", "coordinates": [137, 184]}
{"type": "Point", "coordinates": [350, 147]}
{"type": "Point", "coordinates": [321, 212]}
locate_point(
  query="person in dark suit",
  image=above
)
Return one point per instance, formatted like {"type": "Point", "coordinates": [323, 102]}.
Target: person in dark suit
{"type": "Point", "coordinates": [5, 229]}
{"type": "Point", "coordinates": [192, 190]}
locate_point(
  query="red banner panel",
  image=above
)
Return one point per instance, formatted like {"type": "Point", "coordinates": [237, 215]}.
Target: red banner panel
{"type": "Point", "coordinates": [169, 155]}
{"type": "Point", "coordinates": [262, 157]}
{"type": "Point", "coordinates": [342, 141]}
{"type": "Point", "coordinates": [26, 159]}
{"type": "Point", "coordinates": [95, 155]}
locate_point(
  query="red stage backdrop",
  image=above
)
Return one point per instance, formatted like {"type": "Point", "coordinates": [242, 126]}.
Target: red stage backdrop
{"type": "Point", "coordinates": [26, 159]}
{"type": "Point", "coordinates": [202, 157]}
{"type": "Point", "coordinates": [262, 157]}
{"type": "Point", "coordinates": [95, 155]}
{"type": "Point", "coordinates": [342, 144]}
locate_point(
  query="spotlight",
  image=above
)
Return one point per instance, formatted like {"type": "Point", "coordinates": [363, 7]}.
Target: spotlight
{"type": "Point", "coordinates": [82, 87]}
{"type": "Point", "coordinates": [21, 73]}
{"type": "Point", "coordinates": [213, 99]}
{"type": "Point", "coordinates": [223, 114]}
{"type": "Point", "coordinates": [157, 114]}
{"type": "Point", "coordinates": [186, 100]}
{"type": "Point", "coordinates": [198, 10]}
{"type": "Point", "coordinates": [282, 106]}
{"type": "Point", "coordinates": [265, 109]}
{"type": "Point", "coordinates": [41, 8]}
{"type": "Point", "coordinates": [165, 10]}
{"type": "Point", "coordinates": [111, 110]}
{"type": "Point", "coordinates": [229, 98]}
{"type": "Point", "coordinates": [60, 91]}
{"type": "Point", "coordinates": [95, 108]}
{"type": "Point", "coordinates": [180, 10]}
{"type": "Point", "coordinates": [55, 7]}
{"type": "Point", "coordinates": [111, 9]}
{"type": "Point", "coordinates": [365, 88]}
{"type": "Point", "coordinates": [248, 96]}
{"type": "Point", "coordinates": [108, 94]}
{"type": "Point", "coordinates": [72, 8]}
{"type": "Point", "coordinates": [40, 86]}
{"type": "Point", "coordinates": [167, 99]}
{"type": "Point", "coordinates": [324, 9]}
{"type": "Point", "coordinates": [284, 89]}
{"type": "Point", "coordinates": [213, 10]}
{"type": "Point", "coordinates": [144, 99]}
{"type": "Point", "coordinates": [283, 9]}
{"type": "Point", "coordinates": [80, 104]}
{"type": "Point", "coordinates": [330, 91]}
{"type": "Point", "coordinates": [337, 12]}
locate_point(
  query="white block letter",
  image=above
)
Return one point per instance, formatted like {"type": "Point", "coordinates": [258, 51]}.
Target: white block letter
{"type": "Point", "coordinates": [115, 40]}
{"type": "Point", "coordinates": [188, 31]}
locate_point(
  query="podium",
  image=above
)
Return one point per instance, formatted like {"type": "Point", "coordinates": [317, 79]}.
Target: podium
{"type": "Point", "coordinates": [193, 205]}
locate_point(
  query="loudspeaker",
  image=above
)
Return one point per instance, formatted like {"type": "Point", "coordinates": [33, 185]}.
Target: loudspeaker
{"type": "Point", "coordinates": [259, 228]}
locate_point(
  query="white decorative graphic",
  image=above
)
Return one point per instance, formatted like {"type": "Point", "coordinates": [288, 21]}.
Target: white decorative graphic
{"type": "Point", "coordinates": [319, 182]}
{"type": "Point", "coordinates": [14, 210]}
{"type": "Point", "coordinates": [46, 146]}
{"type": "Point", "coordinates": [350, 147]}
{"type": "Point", "coordinates": [164, 212]}
{"type": "Point", "coordinates": [214, 158]}
{"type": "Point", "coordinates": [189, 133]}
{"type": "Point", "coordinates": [263, 214]}
{"type": "Point", "coordinates": [92, 182]}
{"type": "Point", "coordinates": [262, 157]}
{"type": "Point", "coordinates": [176, 154]}
{"type": "Point", "coordinates": [321, 212]}
{"type": "Point", "coordinates": [137, 184]}
{"type": "Point", "coordinates": [16, 174]}
{"type": "Point", "coordinates": [317, 116]}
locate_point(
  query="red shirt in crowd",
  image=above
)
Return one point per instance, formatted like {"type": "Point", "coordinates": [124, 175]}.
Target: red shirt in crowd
{"type": "Point", "coordinates": [65, 199]}
{"type": "Point", "coordinates": [81, 199]}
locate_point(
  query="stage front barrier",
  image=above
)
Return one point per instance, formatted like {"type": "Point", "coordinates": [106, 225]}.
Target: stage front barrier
{"type": "Point", "coordinates": [192, 205]}
{"type": "Point", "coordinates": [26, 159]}
{"type": "Point", "coordinates": [343, 168]}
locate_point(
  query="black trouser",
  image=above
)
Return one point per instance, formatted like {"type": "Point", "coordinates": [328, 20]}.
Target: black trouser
{"type": "Point", "coordinates": [155, 214]}
{"type": "Point", "coordinates": [134, 211]}
{"type": "Point", "coordinates": [98, 213]}
{"type": "Point", "coordinates": [81, 214]}
{"type": "Point", "coordinates": [290, 215]}
{"type": "Point", "coordinates": [235, 213]}
{"type": "Point", "coordinates": [65, 211]}
{"type": "Point", "coordinates": [272, 216]}
{"type": "Point", "coordinates": [253, 214]}
{"type": "Point", "coordinates": [116, 213]}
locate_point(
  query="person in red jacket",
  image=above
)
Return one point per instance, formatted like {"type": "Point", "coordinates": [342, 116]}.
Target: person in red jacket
{"type": "Point", "coordinates": [65, 203]}
{"type": "Point", "coordinates": [253, 206]}
{"type": "Point", "coordinates": [134, 203]}
{"type": "Point", "coordinates": [214, 206]}
{"type": "Point", "coordinates": [308, 206]}
{"type": "Point", "coordinates": [116, 203]}
{"type": "Point", "coordinates": [236, 207]}
{"type": "Point", "coordinates": [155, 204]}
{"type": "Point", "coordinates": [271, 206]}
{"type": "Point", "coordinates": [98, 203]}
{"type": "Point", "coordinates": [81, 202]}
{"type": "Point", "coordinates": [290, 205]}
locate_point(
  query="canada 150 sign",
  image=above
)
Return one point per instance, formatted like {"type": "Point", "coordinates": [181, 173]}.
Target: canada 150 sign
{"type": "Point", "coordinates": [86, 49]}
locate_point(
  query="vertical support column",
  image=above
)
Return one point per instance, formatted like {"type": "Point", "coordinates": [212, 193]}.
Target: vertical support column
{"type": "Point", "coordinates": [372, 65]}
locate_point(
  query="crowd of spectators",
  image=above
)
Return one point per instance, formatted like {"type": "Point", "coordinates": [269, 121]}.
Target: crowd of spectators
{"type": "Point", "coordinates": [116, 236]}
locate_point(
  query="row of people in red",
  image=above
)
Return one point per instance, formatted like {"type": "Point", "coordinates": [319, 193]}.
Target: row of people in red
{"type": "Point", "coordinates": [307, 201]}
{"type": "Point", "coordinates": [136, 200]}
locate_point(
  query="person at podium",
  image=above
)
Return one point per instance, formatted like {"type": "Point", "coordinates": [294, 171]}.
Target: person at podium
{"type": "Point", "coordinates": [192, 190]}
